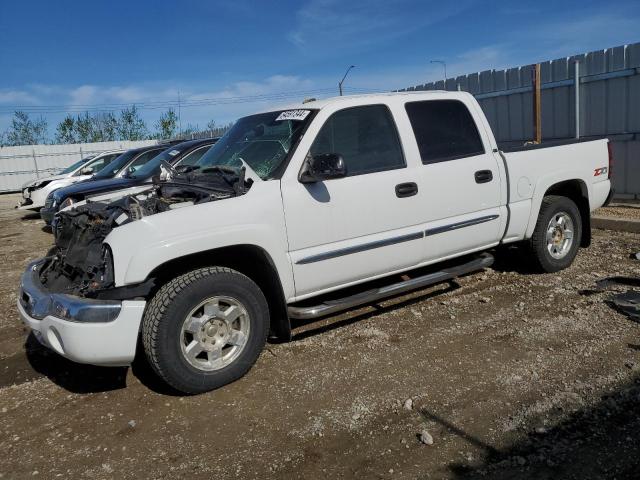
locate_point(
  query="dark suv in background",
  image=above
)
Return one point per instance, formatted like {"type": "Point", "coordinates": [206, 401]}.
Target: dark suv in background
{"type": "Point", "coordinates": [136, 155]}
{"type": "Point", "coordinates": [132, 174]}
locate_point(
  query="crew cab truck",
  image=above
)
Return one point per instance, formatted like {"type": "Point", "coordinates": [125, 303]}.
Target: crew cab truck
{"type": "Point", "coordinates": [287, 216]}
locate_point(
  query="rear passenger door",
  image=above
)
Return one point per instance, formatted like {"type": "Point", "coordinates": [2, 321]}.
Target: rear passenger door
{"type": "Point", "coordinates": [344, 230]}
{"type": "Point", "coordinates": [459, 177]}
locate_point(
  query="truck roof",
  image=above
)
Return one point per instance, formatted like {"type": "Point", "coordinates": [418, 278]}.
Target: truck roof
{"type": "Point", "coordinates": [371, 97]}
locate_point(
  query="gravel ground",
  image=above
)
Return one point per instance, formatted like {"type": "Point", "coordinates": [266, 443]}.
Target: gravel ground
{"type": "Point", "coordinates": [509, 375]}
{"type": "Point", "coordinates": [620, 211]}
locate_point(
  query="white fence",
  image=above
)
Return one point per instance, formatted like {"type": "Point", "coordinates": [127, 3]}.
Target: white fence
{"type": "Point", "coordinates": [21, 164]}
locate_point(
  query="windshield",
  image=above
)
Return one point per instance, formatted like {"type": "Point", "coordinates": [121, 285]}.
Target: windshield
{"type": "Point", "coordinates": [114, 167]}
{"type": "Point", "coordinates": [263, 141]}
{"type": "Point", "coordinates": [75, 166]}
{"type": "Point", "coordinates": [152, 167]}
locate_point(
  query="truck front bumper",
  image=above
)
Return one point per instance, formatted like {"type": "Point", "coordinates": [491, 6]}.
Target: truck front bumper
{"type": "Point", "coordinates": [98, 332]}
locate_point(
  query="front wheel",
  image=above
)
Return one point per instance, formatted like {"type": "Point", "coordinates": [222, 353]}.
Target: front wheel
{"type": "Point", "coordinates": [205, 329]}
{"type": "Point", "coordinates": [557, 235]}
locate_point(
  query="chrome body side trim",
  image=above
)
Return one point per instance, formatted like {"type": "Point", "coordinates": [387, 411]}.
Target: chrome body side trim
{"type": "Point", "coordinates": [360, 248]}
{"type": "Point", "coordinates": [455, 226]}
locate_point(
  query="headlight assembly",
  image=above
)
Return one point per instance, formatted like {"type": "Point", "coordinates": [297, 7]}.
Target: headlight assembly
{"type": "Point", "coordinates": [67, 203]}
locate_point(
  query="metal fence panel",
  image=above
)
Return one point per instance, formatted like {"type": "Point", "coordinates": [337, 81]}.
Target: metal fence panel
{"type": "Point", "coordinates": [609, 103]}
{"type": "Point", "coordinates": [19, 165]}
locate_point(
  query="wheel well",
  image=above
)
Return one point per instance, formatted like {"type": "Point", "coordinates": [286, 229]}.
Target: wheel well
{"type": "Point", "coordinates": [250, 260]}
{"type": "Point", "coordinates": [576, 190]}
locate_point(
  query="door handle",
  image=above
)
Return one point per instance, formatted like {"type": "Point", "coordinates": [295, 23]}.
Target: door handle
{"type": "Point", "coordinates": [483, 176]}
{"type": "Point", "coordinates": [406, 189]}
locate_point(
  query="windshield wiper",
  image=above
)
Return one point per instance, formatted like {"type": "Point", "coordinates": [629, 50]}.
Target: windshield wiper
{"type": "Point", "coordinates": [219, 168]}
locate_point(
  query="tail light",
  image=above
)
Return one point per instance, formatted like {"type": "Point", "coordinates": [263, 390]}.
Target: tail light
{"type": "Point", "coordinates": [610, 149]}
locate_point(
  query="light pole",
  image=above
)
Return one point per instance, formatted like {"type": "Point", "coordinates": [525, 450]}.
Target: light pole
{"type": "Point", "coordinates": [444, 66]}
{"type": "Point", "coordinates": [345, 76]}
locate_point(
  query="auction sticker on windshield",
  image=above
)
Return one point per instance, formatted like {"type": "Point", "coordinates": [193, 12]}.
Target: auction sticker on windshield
{"type": "Point", "coordinates": [293, 115]}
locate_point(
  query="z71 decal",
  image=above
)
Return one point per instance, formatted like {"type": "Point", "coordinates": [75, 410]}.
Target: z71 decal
{"type": "Point", "coordinates": [600, 171]}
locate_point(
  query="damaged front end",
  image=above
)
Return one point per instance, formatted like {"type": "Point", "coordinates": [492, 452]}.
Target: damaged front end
{"type": "Point", "coordinates": [82, 264]}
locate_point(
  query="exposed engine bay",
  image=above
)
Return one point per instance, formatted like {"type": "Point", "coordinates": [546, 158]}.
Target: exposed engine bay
{"type": "Point", "coordinates": [80, 264]}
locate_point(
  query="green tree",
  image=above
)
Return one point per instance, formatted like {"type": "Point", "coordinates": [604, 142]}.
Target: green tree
{"type": "Point", "coordinates": [84, 128]}
{"type": "Point", "coordinates": [66, 131]}
{"type": "Point", "coordinates": [105, 127]}
{"type": "Point", "coordinates": [24, 131]}
{"type": "Point", "coordinates": [167, 125]}
{"type": "Point", "coordinates": [131, 126]}
{"type": "Point", "coordinates": [211, 125]}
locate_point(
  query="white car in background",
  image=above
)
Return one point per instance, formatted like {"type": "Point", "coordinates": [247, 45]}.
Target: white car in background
{"type": "Point", "coordinates": [34, 192]}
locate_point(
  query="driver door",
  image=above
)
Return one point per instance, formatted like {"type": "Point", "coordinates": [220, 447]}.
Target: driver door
{"type": "Point", "coordinates": [346, 230]}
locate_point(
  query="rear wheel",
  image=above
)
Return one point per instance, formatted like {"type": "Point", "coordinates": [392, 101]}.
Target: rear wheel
{"type": "Point", "coordinates": [557, 234]}
{"type": "Point", "coordinates": [205, 329]}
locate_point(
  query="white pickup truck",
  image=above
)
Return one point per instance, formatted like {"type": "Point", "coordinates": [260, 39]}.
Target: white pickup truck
{"type": "Point", "coordinates": [300, 213]}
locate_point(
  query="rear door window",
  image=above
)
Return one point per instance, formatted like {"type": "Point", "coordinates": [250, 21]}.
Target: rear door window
{"type": "Point", "coordinates": [193, 157]}
{"type": "Point", "coordinates": [142, 159]}
{"type": "Point", "coordinates": [444, 130]}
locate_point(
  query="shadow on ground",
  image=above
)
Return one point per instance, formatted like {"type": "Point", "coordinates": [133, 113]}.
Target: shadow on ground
{"type": "Point", "coordinates": [602, 441]}
{"type": "Point", "coordinates": [78, 378]}
{"type": "Point", "coordinates": [512, 258]}
{"type": "Point", "coordinates": [308, 328]}
{"type": "Point", "coordinates": [71, 376]}
{"type": "Point", "coordinates": [31, 216]}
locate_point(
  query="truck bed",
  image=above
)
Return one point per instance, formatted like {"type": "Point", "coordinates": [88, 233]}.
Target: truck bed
{"type": "Point", "coordinates": [519, 146]}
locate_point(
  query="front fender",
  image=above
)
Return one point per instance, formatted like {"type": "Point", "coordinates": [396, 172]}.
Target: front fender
{"type": "Point", "coordinates": [255, 218]}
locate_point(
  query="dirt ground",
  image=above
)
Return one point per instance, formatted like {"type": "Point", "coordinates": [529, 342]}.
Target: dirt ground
{"type": "Point", "coordinates": [513, 374]}
{"type": "Point", "coordinates": [621, 210]}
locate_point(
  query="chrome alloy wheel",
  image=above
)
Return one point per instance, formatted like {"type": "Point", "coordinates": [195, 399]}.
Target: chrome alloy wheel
{"type": "Point", "coordinates": [214, 333]}
{"type": "Point", "coordinates": [560, 235]}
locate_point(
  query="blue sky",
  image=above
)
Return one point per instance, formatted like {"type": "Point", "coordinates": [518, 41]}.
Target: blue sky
{"type": "Point", "coordinates": [67, 53]}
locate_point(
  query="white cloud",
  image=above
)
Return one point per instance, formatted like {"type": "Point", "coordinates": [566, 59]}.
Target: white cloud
{"type": "Point", "coordinates": [580, 34]}
{"type": "Point", "coordinates": [323, 26]}
{"type": "Point", "coordinates": [16, 97]}
{"type": "Point", "coordinates": [83, 95]}
{"type": "Point", "coordinates": [270, 85]}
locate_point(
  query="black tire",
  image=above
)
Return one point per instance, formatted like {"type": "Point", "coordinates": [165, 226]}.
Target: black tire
{"type": "Point", "coordinates": [542, 258]}
{"type": "Point", "coordinates": [166, 312]}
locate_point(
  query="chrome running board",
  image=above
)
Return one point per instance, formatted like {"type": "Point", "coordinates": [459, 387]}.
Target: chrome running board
{"type": "Point", "coordinates": [370, 296]}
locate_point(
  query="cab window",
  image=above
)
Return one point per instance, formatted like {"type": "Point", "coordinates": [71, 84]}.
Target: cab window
{"type": "Point", "coordinates": [444, 130]}
{"type": "Point", "coordinates": [366, 137]}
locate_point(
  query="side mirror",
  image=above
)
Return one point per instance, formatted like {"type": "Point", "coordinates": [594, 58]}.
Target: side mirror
{"type": "Point", "coordinates": [325, 166]}
{"type": "Point", "coordinates": [87, 171]}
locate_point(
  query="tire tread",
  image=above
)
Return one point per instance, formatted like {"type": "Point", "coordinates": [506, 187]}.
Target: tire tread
{"type": "Point", "coordinates": [158, 306]}
{"type": "Point", "coordinates": [537, 243]}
